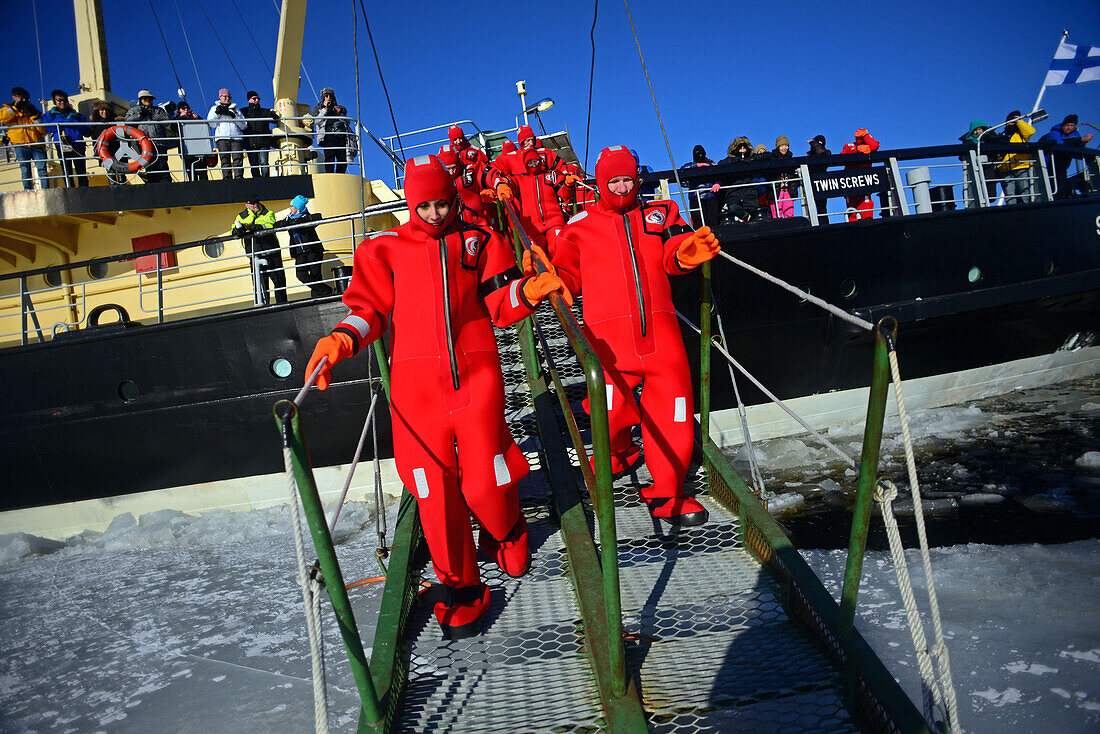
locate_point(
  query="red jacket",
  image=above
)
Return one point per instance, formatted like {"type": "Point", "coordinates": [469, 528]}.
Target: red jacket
{"type": "Point", "coordinates": [868, 145]}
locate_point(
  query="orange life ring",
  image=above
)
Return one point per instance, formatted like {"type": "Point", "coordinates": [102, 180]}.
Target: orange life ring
{"type": "Point", "coordinates": [111, 134]}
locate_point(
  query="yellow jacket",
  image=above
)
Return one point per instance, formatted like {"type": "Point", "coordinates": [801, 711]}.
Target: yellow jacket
{"type": "Point", "coordinates": [1017, 161]}
{"type": "Point", "coordinates": [22, 135]}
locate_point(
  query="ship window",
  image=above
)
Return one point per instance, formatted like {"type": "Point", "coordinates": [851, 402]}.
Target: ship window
{"type": "Point", "coordinates": [848, 288]}
{"type": "Point", "coordinates": [97, 271]}
{"type": "Point", "coordinates": [974, 274]}
{"type": "Point", "coordinates": [53, 278]}
{"type": "Point", "coordinates": [281, 367]}
{"type": "Point", "coordinates": [128, 391]}
{"type": "Point", "coordinates": [1048, 267]}
{"type": "Point", "coordinates": [213, 250]}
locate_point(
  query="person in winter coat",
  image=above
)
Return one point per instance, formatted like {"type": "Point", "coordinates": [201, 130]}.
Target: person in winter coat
{"type": "Point", "coordinates": [1065, 133]}
{"type": "Point", "coordinates": [787, 188]}
{"type": "Point", "coordinates": [28, 141]}
{"type": "Point", "coordinates": [742, 200]}
{"type": "Point", "coordinates": [229, 125]}
{"type": "Point", "coordinates": [763, 189]}
{"type": "Point", "coordinates": [863, 144]}
{"type": "Point", "coordinates": [257, 134]}
{"type": "Point", "coordinates": [194, 165]}
{"type": "Point", "coordinates": [978, 128]}
{"type": "Point", "coordinates": [148, 117]}
{"type": "Point", "coordinates": [68, 137]}
{"type": "Point", "coordinates": [1015, 168]}
{"type": "Point", "coordinates": [351, 141]}
{"type": "Point", "coordinates": [332, 132]}
{"type": "Point", "coordinates": [103, 117]}
{"type": "Point", "coordinates": [253, 225]}
{"type": "Point", "coordinates": [439, 285]}
{"type": "Point", "coordinates": [702, 197]}
{"type": "Point", "coordinates": [620, 253]}
{"type": "Point", "coordinates": [817, 148]}
{"type": "Point", "coordinates": [306, 247]}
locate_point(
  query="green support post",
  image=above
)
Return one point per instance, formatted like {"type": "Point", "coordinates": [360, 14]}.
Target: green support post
{"type": "Point", "coordinates": [704, 357]}
{"type": "Point", "coordinates": [868, 470]}
{"type": "Point", "coordinates": [289, 425]}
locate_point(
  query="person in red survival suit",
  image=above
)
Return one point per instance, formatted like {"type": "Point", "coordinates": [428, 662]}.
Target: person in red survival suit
{"type": "Point", "coordinates": [473, 160]}
{"type": "Point", "coordinates": [622, 250]}
{"type": "Point", "coordinates": [473, 198]}
{"type": "Point", "coordinates": [550, 159]}
{"type": "Point", "coordinates": [536, 192]}
{"type": "Point", "coordinates": [865, 144]}
{"type": "Point", "coordinates": [442, 284]}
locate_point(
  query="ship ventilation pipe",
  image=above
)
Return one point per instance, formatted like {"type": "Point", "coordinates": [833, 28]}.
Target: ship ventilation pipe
{"type": "Point", "coordinates": [919, 178]}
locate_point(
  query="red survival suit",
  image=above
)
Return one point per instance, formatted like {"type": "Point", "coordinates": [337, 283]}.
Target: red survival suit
{"type": "Point", "coordinates": [865, 144]}
{"type": "Point", "coordinates": [473, 160]}
{"type": "Point", "coordinates": [620, 252]}
{"type": "Point", "coordinates": [536, 194]}
{"type": "Point", "coordinates": [550, 159]}
{"type": "Point", "coordinates": [440, 289]}
{"type": "Point", "coordinates": [476, 210]}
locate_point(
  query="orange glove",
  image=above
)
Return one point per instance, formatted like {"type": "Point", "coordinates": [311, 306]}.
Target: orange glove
{"type": "Point", "coordinates": [504, 192]}
{"type": "Point", "coordinates": [529, 266]}
{"type": "Point", "coordinates": [537, 288]}
{"type": "Point", "coordinates": [701, 246]}
{"type": "Point", "coordinates": [335, 346]}
{"type": "Point", "coordinates": [571, 179]}
{"type": "Point", "coordinates": [487, 195]}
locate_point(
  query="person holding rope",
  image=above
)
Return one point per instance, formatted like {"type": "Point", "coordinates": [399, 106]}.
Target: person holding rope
{"type": "Point", "coordinates": [441, 283]}
{"type": "Point", "coordinates": [621, 251]}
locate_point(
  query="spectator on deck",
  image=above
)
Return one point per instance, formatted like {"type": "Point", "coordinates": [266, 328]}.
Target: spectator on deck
{"type": "Point", "coordinates": [229, 125]}
{"type": "Point", "coordinates": [149, 116]}
{"type": "Point", "coordinates": [817, 148]}
{"type": "Point", "coordinates": [704, 201]}
{"type": "Point", "coordinates": [787, 188]}
{"type": "Point", "coordinates": [331, 132]}
{"type": "Point", "coordinates": [27, 141]}
{"type": "Point", "coordinates": [1015, 168]}
{"type": "Point", "coordinates": [763, 190]}
{"type": "Point", "coordinates": [863, 144]}
{"type": "Point", "coordinates": [68, 136]}
{"type": "Point", "coordinates": [306, 247]}
{"type": "Point", "coordinates": [742, 201]}
{"type": "Point", "coordinates": [978, 128]}
{"type": "Point", "coordinates": [257, 134]}
{"type": "Point", "coordinates": [253, 226]}
{"type": "Point", "coordinates": [103, 117]}
{"type": "Point", "coordinates": [1066, 133]}
{"type": "Point", "coordinates": [194, 165]}
{"type": "Point", "coordinates": [351, 141]}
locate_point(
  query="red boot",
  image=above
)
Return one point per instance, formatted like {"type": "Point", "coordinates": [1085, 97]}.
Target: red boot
{"type": "Point", "coordinates": [459, 613]}
{"type": "Point", "coordinates": [680, 510]}
{"type": "Point", "coordinates": [513, 554]}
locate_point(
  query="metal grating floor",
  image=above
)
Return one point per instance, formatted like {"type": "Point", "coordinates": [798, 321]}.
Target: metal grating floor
{"type": "Point", "coordinates": [706, 636]}
{"type": "Point", "coordinates": [527, 671]}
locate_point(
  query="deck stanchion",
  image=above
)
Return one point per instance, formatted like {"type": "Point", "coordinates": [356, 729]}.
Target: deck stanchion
{"type": "Point", "coordinates": [289, 425]}
{"type": "Point", "coordinates": [868, 470]}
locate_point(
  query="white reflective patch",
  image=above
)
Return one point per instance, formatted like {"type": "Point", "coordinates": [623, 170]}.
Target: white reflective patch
{"type": "Point", "coordinates": [577, 217]}
{"type": "Point", "coordinates": [359, 324]}
{"type": "Point", "coordinates": [421, 160]}
{"type": "Point", "coordinates": [387, 233]}
{"type": "Point", "coordinates": [679, 413]}
{"type": "Point", "coordinates": [500, 467]}
{"type": "Point", "coordinates": [610, 392]}
{"type": "Point", "coordinates": [616, 147]}
{"type": "Point", "coordinates": [445, 149]}
{"type": "Point", "coordinates": [421, 480]}
{"type": "Point", "coordinates": [513, 293]}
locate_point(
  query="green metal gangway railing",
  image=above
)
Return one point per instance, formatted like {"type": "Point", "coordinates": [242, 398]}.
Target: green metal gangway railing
{"type": "Point", "coordinates": [567, 649]}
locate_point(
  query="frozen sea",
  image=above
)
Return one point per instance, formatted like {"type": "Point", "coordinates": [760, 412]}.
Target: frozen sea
{"type": "Point", "coordinates": [184, 624]}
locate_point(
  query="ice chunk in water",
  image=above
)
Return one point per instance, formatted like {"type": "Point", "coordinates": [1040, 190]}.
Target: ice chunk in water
{"type": "Point", "coordinates": [14, 546]}
{"type": "Point", "coordinates": [1089, 460]}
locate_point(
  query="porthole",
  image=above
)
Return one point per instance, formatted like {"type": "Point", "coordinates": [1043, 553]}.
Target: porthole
{"type": "Point", "coordinates": [214, 250]}
{"type": "Point", "coordinates": [974, 275]}
{"type": "Point", "coordinates": [848, 289]}
{"type": "Point", "coordinates": [128, 391]}
{"type": "Point", "coordinates": [98, 271]}
{"type": "Point", "coordinates": [52, 278]}
{"type": "Point", "coordinates": [281, 367]}
{"type": "Point", "coordinates": [1048, 267]}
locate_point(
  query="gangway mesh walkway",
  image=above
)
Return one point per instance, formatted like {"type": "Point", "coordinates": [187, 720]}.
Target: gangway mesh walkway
{"type": "Point", "coordinates": [706, 636]}
{"type": "Point", "coordinates": [527, 670]}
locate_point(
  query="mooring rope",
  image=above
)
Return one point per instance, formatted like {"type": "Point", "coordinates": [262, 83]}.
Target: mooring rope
{"type": "Point", "coordinates": [311, 597]}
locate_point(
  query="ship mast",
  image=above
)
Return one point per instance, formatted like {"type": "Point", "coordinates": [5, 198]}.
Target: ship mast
{"type": "Point", "coordinates": [91, 45]}
{"type": "Point", "coordinates": [286, 81]}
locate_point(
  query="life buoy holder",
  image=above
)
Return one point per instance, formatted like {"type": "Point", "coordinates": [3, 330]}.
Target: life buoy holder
{"type": "Point", "coordinates": [118, 133]}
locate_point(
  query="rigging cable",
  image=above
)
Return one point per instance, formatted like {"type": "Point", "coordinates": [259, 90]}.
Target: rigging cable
{"type": "Point", "coordinates": [591, 76]}
{"type": "Point", "coordinates": [379, 65]}
{"type": "Point", "coordinates": [653, 94]}
{"type": "Point", "coordinates": [189, 51]}
{"type": "Point", "coordinates": [245, 24]}
{"type": "Point", "coordinates": [305, 71]}
{"type": "Point", "coordinates": [179, 84]}
{"type": "Point", "coordinates": [38, 45]}
{"type": "Point", "coordinates": [226, 52]}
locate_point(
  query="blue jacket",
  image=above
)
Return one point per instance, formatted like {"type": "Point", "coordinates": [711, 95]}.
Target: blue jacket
{"type": "Point", "coordinates": [64, 120]}
{"type": "Point", "coordinates": [1057, 136]}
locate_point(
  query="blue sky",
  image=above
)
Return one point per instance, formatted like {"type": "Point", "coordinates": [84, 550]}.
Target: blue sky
{"type": "Point", "coordinates": [912, 74]}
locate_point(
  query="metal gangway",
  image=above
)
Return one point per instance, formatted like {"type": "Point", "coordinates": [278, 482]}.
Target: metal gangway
{"type": "Point", "coordinates": [622, 624]}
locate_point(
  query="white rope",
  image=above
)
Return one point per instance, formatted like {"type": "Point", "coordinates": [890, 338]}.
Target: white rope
{"type": "Point", "coordinates": [835, 311]}
{"type": "Point", "coordinates": [754, 464]}
{"type": "Point", "coordinates": [312, 599]}
{"type": "Point", "coordinates": [354, 461]}
{"type": "Point", "coordinates": [943, 667]}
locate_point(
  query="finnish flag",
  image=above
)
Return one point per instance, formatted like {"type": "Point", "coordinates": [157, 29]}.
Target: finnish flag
{"type": "Point", "coordinates": [1073, 65]}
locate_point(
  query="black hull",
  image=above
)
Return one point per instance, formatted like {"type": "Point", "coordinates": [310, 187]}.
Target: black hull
{"type": "Point", "coordinates": [207, 388]}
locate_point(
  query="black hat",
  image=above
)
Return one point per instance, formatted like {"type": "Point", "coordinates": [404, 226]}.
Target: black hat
{"type": "Point", "coordinates": [1070, 119]}
{"type": "Point", "coordinates": [699, 154]}
{"type": "Point", "coordinates": [819, 139]}
{"type": "Point", "coordinates": [253, 199]}
{"type": "Point", "coordinates": [250, 95]}
{"type": "Point", "coordinates": [1013, 115]}
{"type": "Point", "coordinates": [20, 92]}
